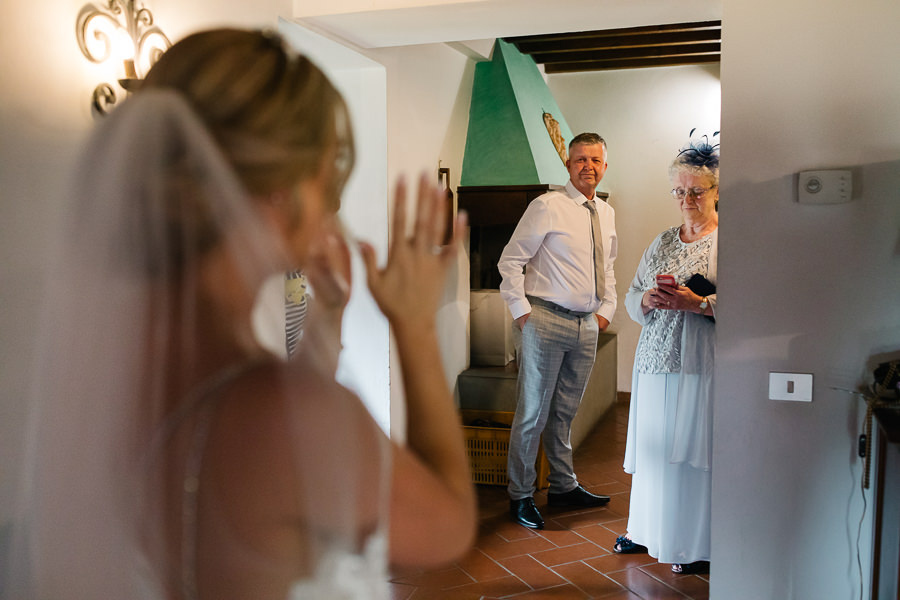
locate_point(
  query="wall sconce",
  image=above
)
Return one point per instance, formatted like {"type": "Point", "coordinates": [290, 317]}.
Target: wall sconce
{"type": "Point", "coordinates": [119, 30]}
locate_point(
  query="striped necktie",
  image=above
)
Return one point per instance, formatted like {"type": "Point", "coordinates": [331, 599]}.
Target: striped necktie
{"type": "Point", "coordinates": [597, 236]}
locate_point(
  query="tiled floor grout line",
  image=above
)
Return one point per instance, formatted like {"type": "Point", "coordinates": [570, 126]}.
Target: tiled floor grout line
{"type": "Point", "coordinates": [665, 583]}
{"type": "Point", "coordinates": [558, 585]}
{"type": "Point", "coordinates": [491, 558]}
{"type": "Point", "coordinates": [604, 575]}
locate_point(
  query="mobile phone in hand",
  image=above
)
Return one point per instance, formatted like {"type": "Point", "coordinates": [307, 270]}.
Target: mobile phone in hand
{"type": "Point", "coordinates": [665, 280]}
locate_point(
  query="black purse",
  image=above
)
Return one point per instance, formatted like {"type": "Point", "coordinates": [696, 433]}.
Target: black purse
{"type": "Point", "coordinates": [701, 286]}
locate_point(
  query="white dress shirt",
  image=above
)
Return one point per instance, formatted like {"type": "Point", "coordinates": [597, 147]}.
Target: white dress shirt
{"type": "Point", "coordinates": [553, 244]}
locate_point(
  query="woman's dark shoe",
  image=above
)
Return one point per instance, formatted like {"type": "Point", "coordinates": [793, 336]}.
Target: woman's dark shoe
{"type": "Point", "coordinates": [525, 513]}
{"type": "Point", "coordinates": [579, 498]}
{"type": "Point", "coordinates": [624, 545]}
{"type": "Point", "coordinates": [694, 568]}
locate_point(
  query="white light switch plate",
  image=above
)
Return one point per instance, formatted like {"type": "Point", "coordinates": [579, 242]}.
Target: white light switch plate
{"type": "Point", "coordinates": [795, 387]}
{"type": "Point", "coordinates": [824, 187]}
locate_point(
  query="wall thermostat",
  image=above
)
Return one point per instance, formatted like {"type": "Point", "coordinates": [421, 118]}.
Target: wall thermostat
{"type": "Point", "coordinates": [824, 187]}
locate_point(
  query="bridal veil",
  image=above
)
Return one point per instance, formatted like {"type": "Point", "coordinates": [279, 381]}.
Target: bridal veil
{"type": "Point", "coordinates": [144, 346]}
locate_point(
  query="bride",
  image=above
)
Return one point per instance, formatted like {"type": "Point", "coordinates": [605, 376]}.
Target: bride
{"type": "Point", "coordinates": [172, 456]}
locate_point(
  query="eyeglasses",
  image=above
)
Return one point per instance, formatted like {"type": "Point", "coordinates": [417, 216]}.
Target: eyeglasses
{"type": "Point", "coordinates": [696, 192]}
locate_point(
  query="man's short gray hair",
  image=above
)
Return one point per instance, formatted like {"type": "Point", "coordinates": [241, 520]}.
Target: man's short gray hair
{"type": "Point", "coordinates": [589, 139]}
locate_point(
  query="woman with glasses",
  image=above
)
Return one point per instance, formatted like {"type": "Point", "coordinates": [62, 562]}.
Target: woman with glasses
{"type": "Point", "coordinates": [673, 297]}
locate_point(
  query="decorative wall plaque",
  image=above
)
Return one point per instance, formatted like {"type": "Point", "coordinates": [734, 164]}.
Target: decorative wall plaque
{"type": "Point", "coordinates": [556, 136]}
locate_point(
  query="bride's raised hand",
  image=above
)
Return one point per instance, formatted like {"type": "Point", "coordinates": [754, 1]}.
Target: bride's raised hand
{"type": "Point", "coordinates": [329, 269]}
{"type": "Point", "coordinates": [431, 472]}
{"type": "Point", "coordinates": [409, 287]}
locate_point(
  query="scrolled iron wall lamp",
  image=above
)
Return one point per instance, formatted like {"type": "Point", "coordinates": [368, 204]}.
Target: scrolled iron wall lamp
{"type": "Point", "coordinates": [119, 29]}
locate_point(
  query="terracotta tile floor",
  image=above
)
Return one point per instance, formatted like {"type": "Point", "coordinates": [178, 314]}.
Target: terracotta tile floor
{"type": "Point", "coordinates": [571, 558]}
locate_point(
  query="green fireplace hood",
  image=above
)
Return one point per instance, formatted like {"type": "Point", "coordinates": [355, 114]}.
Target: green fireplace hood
{"type": "Point", "coordinates": [508, 141]}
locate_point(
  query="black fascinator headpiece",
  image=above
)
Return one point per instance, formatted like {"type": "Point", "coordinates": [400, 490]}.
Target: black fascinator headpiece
{"type": "Point", "coordinates": [700, 153]}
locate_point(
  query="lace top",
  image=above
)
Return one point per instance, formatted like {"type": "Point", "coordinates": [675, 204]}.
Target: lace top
{"type": "Point", "coordinates": [659, 348]}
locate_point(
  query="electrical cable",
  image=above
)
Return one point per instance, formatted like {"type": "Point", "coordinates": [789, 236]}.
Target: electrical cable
{"type": "Point", "coordinates": [862, 518]}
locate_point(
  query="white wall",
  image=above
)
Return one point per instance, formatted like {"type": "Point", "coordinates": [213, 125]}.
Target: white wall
{"type": "Point", "coordinates": [428, 92]}
{"type": "Point", "coordinates": [645, 116]}
{"type": "Point", "coordinates": [808, 84]}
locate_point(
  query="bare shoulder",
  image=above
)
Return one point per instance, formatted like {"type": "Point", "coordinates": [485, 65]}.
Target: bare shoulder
{"type": "Point", "coordinates": [289, 456]}
{"type": "Point", "coordinates": [294, 398]}
{"type": "Point", "coordinates": [271, 388]}
{"type": "Point", "coordinates": [281, 426]}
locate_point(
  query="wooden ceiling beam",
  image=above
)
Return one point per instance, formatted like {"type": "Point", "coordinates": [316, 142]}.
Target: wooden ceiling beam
{"type": "Point", "coordinates": [637, 63]}
{"type": "Point", "coordinates": [629, 48]}
{"type": "Point", "coordinates": [618, 53]}
{"type": "Point", "coordinates": [618, 32]}
{"type": "Point", "coordinates": [624, 41]}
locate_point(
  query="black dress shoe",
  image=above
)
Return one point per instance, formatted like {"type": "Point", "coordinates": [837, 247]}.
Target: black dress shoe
{"type": "Point", "coordinates": [524, 512]}
{"type": "Point", "coordinates": [579, 497]}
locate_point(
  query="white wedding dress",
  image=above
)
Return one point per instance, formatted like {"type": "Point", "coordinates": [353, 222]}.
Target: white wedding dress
{"type": "Point", "coordinates": [345, 576]}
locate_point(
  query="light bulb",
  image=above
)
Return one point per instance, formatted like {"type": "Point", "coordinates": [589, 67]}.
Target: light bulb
{"type": "Point", "coordinates": [123, 44]}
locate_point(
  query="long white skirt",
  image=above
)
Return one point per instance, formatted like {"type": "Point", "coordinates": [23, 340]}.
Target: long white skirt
{"type": "Point", "coordinates": [670, 503]}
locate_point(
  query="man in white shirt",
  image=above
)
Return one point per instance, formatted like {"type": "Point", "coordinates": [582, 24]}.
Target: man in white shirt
{"type": "Point", "coordinates": [566, 244]}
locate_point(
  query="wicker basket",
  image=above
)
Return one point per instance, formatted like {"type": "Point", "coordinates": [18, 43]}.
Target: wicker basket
{"type": "Point", "coordinates": [487, 449]}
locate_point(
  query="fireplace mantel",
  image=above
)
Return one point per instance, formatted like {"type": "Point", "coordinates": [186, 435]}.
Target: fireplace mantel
{"type": "Point", "coordinates": [501, 204]}
{"type": "Point", "coordinates": [498, 204]}
{"type": "Point", "coordinates": [494, 211]}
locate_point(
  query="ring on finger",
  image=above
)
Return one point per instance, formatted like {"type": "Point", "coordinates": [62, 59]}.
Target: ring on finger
{"type": "Point", "coordinates": [436, 250]}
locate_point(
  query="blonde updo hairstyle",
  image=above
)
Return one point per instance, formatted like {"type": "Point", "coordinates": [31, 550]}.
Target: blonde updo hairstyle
{"type": "Point", "coordinates": [275, 116]}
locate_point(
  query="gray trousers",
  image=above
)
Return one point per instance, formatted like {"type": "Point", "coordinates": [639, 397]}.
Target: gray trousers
{"type": "Point", "coordinates": [555, 363]}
